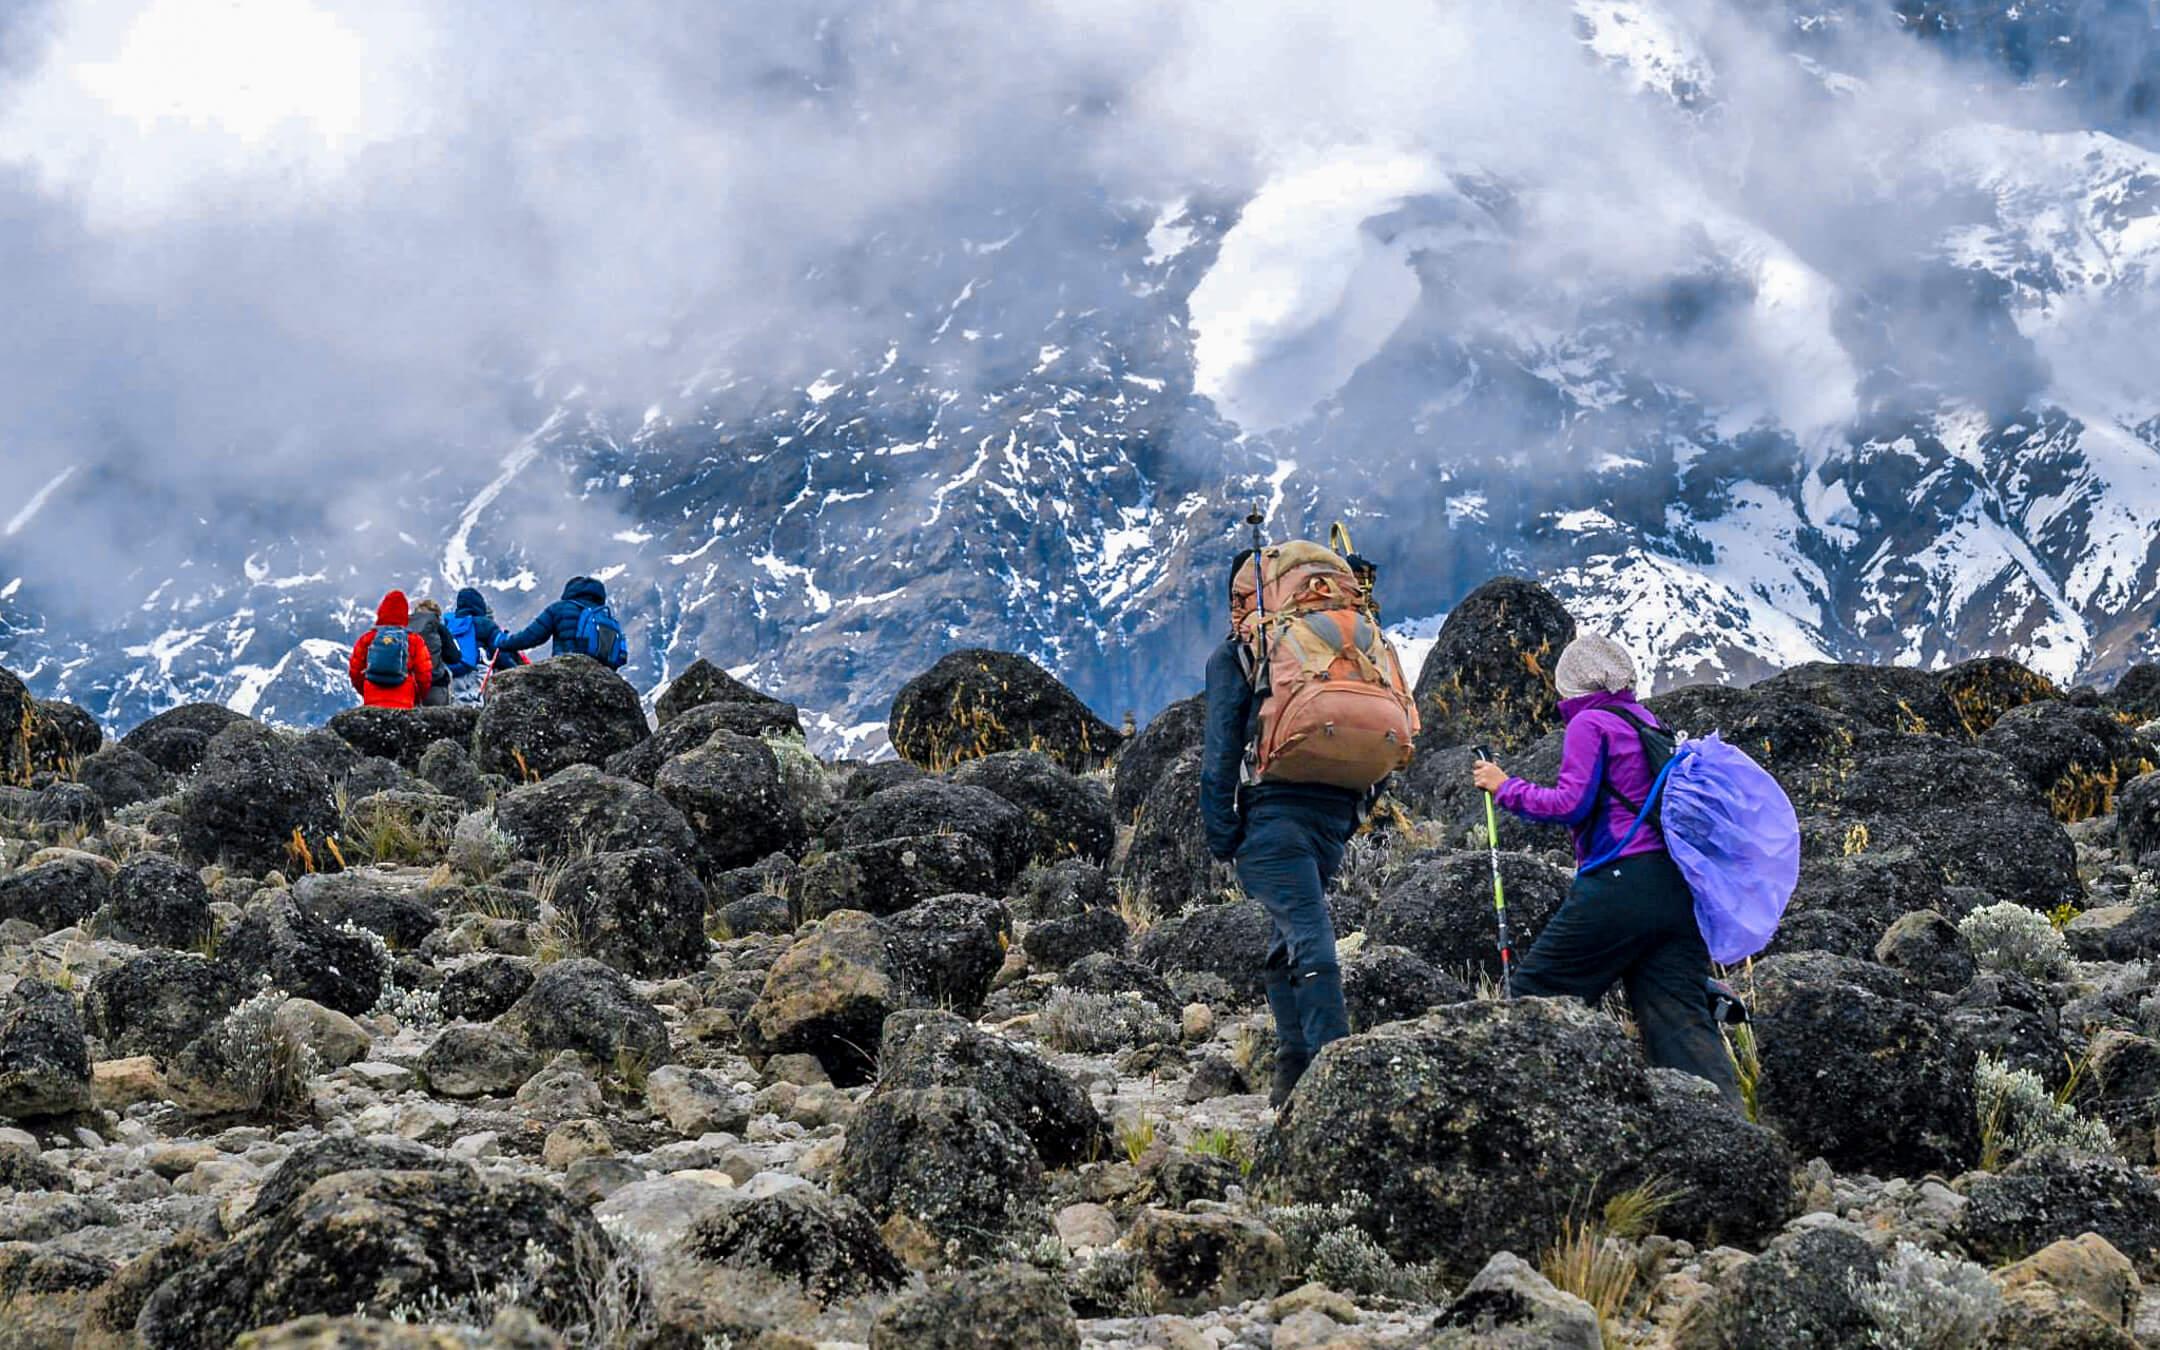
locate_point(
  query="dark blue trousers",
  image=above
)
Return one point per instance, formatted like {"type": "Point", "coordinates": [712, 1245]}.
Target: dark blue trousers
{"type": "Point", "coordinates": [1633, 923]}
{"type": "Point", "coordinates": [1291, 851]}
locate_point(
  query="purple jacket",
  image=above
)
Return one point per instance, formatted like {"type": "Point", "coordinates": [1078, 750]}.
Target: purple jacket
{"type": "Point", "coordinates": [1600, 747]}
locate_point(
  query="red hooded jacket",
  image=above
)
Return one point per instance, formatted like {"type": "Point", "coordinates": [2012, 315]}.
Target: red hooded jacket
{"type": "Point", "coordinates": [394, 612]}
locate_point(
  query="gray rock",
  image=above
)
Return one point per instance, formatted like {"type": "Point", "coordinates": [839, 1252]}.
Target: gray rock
{"type": "Point", "coordinates": [1510, 1306]}
{"type": "Point", "coordinates": [587, 1006]}
{"type": "Point", "coordinates": [477, 1061]}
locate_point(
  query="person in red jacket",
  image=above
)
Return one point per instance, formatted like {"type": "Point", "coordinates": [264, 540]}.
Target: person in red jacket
{"type": "Point", "coordinates": [378, 676]}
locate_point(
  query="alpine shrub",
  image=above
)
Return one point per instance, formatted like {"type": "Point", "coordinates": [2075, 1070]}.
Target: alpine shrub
{"type": "Point", "coordinates": [1084, 1023]}
{"type": "Point", "coordinates": [2018, 1115]}
{"type": "Point", "coordinates": [2009, 938]}
{"type": "Point", "coordinates": [1921, 1301]}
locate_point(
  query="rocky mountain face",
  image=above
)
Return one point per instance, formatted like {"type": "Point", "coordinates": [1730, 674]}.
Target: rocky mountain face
{"type": "Point", "coordinates": [1051, 448]}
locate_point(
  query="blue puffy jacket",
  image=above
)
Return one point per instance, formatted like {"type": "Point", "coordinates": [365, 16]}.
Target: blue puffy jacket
{"type": "Point", "coordinates": [558, 621]}
{"type": "Point", "coordinates": [487, 635]}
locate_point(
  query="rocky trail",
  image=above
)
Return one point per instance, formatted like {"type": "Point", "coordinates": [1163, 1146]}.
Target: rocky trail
{"type": "Point", "coordinates": [537, 1025]}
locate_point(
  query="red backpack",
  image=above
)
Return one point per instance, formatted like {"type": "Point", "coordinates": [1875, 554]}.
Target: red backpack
{"type": "Point", "coordinates": [1334, 706]}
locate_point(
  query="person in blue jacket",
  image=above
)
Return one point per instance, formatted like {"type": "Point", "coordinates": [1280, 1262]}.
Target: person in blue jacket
{"type": "Point", "coordinates": [1287, 841]}
{"type": "Point", "coordinates": [472, 638]}
{"type": "Point", "coordinates": [561, 621]}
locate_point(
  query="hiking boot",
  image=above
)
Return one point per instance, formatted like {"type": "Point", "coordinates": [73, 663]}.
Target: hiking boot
{"type": "Point", "coordinates": [1289, 1068]}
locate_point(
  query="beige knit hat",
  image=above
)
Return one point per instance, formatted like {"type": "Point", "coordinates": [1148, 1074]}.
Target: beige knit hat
{"type": "Point", "coordinates": [1593, 664]}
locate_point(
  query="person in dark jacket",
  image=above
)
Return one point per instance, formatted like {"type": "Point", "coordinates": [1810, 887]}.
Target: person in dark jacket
{"type": "Point", "coordinates": [1287, 841]}
{"type": "Point", "coordinates": [427, 625]}
{"type": "Point", "coordinates": [473, 617]}
{"type": "Point", "coordinates": [558, 622]}
{"type": "Point", "coordinates": [1631, 919]}
{"type": "Point", "coordinates": [394, 614]}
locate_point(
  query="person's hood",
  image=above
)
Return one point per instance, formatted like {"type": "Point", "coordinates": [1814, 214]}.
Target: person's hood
{"type": "Point", "coordinates": [470, 601]}
{"type": "Point", "coordinates": [585, 591]}
{"type": "Point", "coordinates": [1572, 708]}
{"type": "Point", "coordinates": [394, 611]}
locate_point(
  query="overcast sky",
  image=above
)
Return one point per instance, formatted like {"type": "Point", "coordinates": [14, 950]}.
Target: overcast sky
{"type": "Point", "coordinates": [263, 258]}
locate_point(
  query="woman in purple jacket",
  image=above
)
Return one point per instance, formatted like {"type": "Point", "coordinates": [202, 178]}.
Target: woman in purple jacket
{"type": "Point", "coordinates": [1632, 919]}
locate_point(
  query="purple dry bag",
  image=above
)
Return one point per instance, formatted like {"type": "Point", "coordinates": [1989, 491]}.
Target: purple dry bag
{"type": "Point", "coordinates": [1732, 831]}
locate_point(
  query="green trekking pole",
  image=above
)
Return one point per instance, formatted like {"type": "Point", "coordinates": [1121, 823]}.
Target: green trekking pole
{"type": "Point", "coordinates": [1499, 892]}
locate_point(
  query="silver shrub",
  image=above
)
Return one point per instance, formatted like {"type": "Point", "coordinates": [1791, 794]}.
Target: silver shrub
{"type": "Point", "coordinates": [2010, 938]}
{"type": "Point", "coordinates": [1921, 1301]}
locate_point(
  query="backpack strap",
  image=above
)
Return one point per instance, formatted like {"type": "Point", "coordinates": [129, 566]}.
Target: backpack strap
{"type": "Point", "coordinates": [1616, 850]}
{"type": "Point", "coordinates": [1605, 787]}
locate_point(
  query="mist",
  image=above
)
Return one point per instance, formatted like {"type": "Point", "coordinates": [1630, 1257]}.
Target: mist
{"type": "Point", "coordinates": [310, 271]}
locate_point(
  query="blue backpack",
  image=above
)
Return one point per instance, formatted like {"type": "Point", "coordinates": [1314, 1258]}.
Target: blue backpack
{"type": "Point", "coordinates": [600, 636]}
{"type": "Point", "coordinates": [389, 658]}
{"type": "Point", "coordinates": [1730, 829]}
{"type": "Point", "coordinates": [461, 631]}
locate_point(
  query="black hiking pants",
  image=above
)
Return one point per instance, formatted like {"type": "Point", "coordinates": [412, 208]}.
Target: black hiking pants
{"type": "Point", "coordinates": [1633, 921]}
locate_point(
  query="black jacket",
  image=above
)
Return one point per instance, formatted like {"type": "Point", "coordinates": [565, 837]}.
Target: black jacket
{"type": "Point", "coordinates": [1228, 731]}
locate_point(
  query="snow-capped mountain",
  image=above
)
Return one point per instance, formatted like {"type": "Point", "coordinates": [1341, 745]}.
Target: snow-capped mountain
{"type": "Point", "coordinates": [1763, 446]}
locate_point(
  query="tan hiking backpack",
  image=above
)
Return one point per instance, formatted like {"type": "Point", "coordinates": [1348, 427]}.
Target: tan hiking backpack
{"type": "Point", "coordinates": [1334, 706]}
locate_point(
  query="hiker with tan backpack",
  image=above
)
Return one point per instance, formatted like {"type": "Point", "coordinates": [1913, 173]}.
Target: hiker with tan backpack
{"type": "Point", "coordinates": [1307, 713]}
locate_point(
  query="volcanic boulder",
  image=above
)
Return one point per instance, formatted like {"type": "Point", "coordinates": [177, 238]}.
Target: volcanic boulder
{"type": "Point", "coordinates": [933, 806]}
{"type": "Point", "coordinates": [1053, 944]}
{"type": "Point", "coordinates": [156, 1003]}
{"type": "Point", "coordinates": [1441, 907]}
{"type": "Point", "coordinates": [547, 716]}
{"type": "Point", "coordinates": [44, 1060]}
{"type": "Point", "coordinates": [1068, 817]}
{"type": "Point", "coordinates": [703, 684]}
{"type": "Point", "coordinates": [62, 736]}
{"type": "Point", "coordinates": [1454, 1171]}
{"type": "Point", "coordinates": [948, 1161]}
{"type": "Point", "coordinates": [978, 702]}
{"type": "Point", "coordinates": [641, 911]}
{"type": "Point", "coordinates": [945, 951]}
{"type": "Point", "coordinates": [691, 729]}
{"type": "Point", "coordinates": [2137, 694]}
{"type": "Point", "coordinates": [122, 777]}
{"type": "Point", "coordinates": [366, 899]}
{"type": "Point", "coordinates": [581, 809]}
{"type": "Point", "coordinates": [829, 995]}
{"type": "Point", "coordinates": [587, 1006]}
{"type": "Point", "coordinates": [1228, 940]}
{"type": "Point", "coordinates": [1167, 866]}
{"type": "Point", "coordinates": [1383, 984]}
{"type": "Point", "coordinates": [1982, 690]}
{"type": "Point", "coordinates": [729, 790]}
{"type": "Point", "coordinates": [829, 1247]}
{"type": "Point", "coordinates": [892, 875]}
{"type": "Point", "coordinates": [1012, 1306]}
{"type": "Point", "coordinates": [375, 1241]}
{"type": "Point", "coordinates": [177, 739]}
{"type": "Point", "coordinates": [1488, 679]}
{"type": "Point", "coordinates": [1825, 1024]}
{"type": "Point", "coordinates": [923, 1048]}
{"type": "Point", "coordinates": [2048, 1197]}
{"type": "Point", "coordinates": [256, 802]}
{"type": "Point", "coordinates": [55, 894]}
{"type": "Point", "coordinates": [1892, 698]}
{"type": "Point", "coordinates": [280, 943]}
{"type": "Point", "coordinates": [1140, 765]}
{"type": "Point", "coordinates": [156, 901]}
{"type": "Point", "coordinates": [2077, 757]}
{"type": "Point", "coordinates": [404, 734]}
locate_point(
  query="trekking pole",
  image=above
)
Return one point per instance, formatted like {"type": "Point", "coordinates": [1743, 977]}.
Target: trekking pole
{"type": "Point", "coordinates": [1499, 892]}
